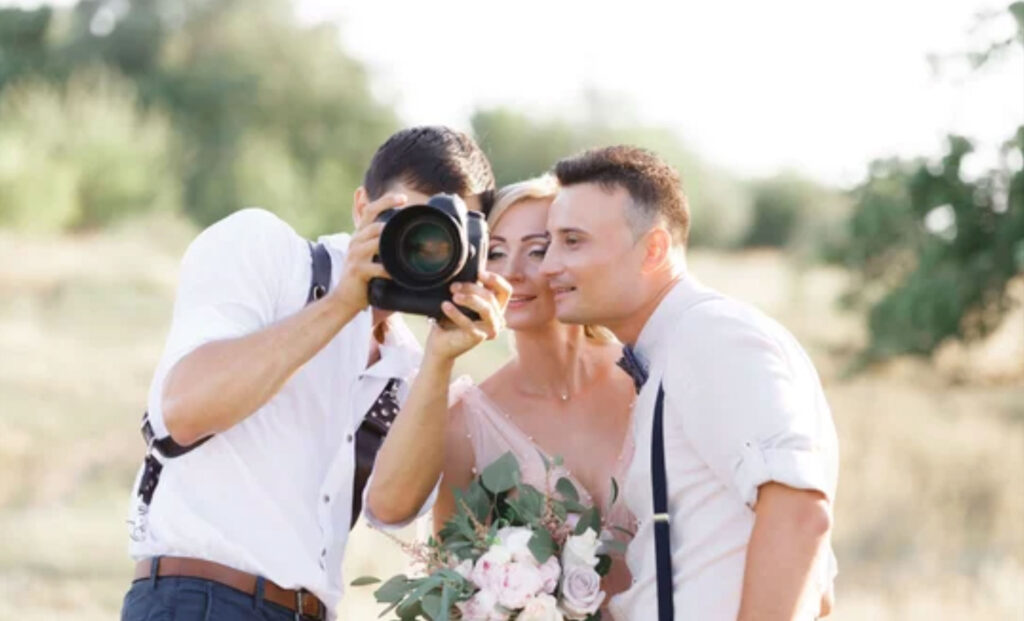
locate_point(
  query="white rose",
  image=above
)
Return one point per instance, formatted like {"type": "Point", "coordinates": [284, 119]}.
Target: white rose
{"type": "Point", "coordinates": [541, 608]}
{"type": "Point", "coordinates": [581, 592]}
{"type": "Point", "coordinates": [519, 583]}
{"type": "Point", "coordinates": [581, 550]}
{"type": "Point", "coordinates": [483, 606]}
{"type": "Point", "coordinates": [464, 569]}
{"type": "Point", "coordinates": [489, 568]}
{"type": "Point", "coordinates": [516, 539]}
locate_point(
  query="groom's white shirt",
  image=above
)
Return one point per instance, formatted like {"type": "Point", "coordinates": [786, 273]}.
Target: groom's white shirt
{"type": "Point", "coordinates": [272, 495]}
{"type": "Point", "coordinates": [743, 407]}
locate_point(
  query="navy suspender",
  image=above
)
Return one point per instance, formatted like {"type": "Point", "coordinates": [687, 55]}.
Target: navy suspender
{"type": "Point", "coordinates": [662, 543]}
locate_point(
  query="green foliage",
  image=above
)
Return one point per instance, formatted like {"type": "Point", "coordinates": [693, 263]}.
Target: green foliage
{"type": "Point", "coordinates": [494, 500]}
{"type": "Point", "coordinates": [521, 147]}
{"type": "Point", "coordinates": [261, 110]}
{"type": "Point", "coordinates": [789, 209]}
{"type": "Point", "coordinates": [935, 249]}
{"type": "Point", "coordinates": [81, 156]}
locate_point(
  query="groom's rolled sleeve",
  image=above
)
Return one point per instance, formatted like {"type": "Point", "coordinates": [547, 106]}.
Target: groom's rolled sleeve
{"type": "Point", "coordinates": [746, 411]}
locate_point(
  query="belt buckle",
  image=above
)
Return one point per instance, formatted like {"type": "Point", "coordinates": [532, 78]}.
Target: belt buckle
{"type": "Point", "coordinates": [300, 611]}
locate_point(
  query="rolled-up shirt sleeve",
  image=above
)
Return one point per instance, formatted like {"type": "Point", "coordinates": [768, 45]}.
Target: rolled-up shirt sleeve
{"type": "Point", "coordinates": [749, 406]}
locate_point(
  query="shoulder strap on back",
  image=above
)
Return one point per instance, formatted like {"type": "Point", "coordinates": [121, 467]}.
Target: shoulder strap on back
{"type": "Point", "coordinates": [321, 279]}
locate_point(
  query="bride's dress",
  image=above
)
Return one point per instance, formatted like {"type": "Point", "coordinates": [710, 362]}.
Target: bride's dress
{"type": "Point", "coordinates": [492, 433]}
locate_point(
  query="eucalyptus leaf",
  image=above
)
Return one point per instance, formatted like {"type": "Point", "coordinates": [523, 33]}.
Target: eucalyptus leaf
{"type": "Point", "coordinates": [541, 545]}
{"type": "Point", "coordinates": [364, 580]}
{"type": "Point", "coordinates": [502, 475]}
{"type": "Point", "coordinates": [568, 491]}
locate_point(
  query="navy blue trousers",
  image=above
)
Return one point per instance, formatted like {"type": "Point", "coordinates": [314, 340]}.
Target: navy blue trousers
{"type": "Point", "coordinates": [194, 599]}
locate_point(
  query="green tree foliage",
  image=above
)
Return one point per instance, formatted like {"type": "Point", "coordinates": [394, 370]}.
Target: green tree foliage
{"type": "Point", "coordinates": [521, 147]}
{"type": "Point", "coordinates": [81, 156]}
{"type": "Point", "coordinates": [264, 111]}
{"type": "Point", "coordinates": [934, 249]}
{"type": "Point", "coordinates": [790, 210]}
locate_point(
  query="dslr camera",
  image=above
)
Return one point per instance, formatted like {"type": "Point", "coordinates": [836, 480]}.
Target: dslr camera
{"type": "Point", "coordinates": [424, 249]}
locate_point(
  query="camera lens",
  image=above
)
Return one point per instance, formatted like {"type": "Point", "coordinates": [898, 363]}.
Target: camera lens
{"type": "Point", "coordinates": [426, 247]}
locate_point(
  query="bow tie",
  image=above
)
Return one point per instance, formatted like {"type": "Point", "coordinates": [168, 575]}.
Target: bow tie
{"type": "Point", "coordinates": [631, 363]}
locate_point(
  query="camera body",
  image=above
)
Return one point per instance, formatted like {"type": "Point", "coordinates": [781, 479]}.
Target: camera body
{"type": "Point", "coordinates": [424, 249]}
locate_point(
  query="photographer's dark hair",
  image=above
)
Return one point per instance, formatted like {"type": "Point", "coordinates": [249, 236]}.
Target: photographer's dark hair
{"type": "Point", "coordinates": [654, 186]}
{"type": "Point", "coordinates": [432, 159]}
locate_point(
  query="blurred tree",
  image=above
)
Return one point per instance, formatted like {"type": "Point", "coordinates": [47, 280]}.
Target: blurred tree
{"type": "Point", "coordinates": [521, 147]}
{"type": "Point", "coordinates": [933, 248]}
{"type": "Point", "coordinates": [787, 207]}
{"type": "Point", "coordinates": [23, 49]}
{"type": "Point", "coordinates": [254, 97]}
{"type": "Point", "coordinates": [81, 156]}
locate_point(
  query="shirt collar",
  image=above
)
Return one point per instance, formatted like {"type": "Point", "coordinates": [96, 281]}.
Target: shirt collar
{"type": "Point", "coordinates": [400, 353]}
{"type": "Point", "coordinates": [661, 322]}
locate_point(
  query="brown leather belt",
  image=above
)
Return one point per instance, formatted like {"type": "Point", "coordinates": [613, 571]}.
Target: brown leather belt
{"type": "Point", "coordinates": [301, 601]}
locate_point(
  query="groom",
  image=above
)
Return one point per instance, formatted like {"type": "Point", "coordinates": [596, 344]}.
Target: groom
{"type": "Point", "coordinates": [750, 451]}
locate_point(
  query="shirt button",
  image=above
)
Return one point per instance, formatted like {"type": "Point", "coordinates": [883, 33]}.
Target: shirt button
{"type": "Point", "coordinates": [327, 498]}
{"type": "Point", "coordinates": [348, 438]}
{"type": "Point", "coordinates": [323, 553]}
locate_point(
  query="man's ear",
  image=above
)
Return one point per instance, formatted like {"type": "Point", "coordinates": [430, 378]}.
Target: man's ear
{"type": "Point", "coordinates": [359, 202]}
{"type": "Point", "coordinates": [658, 249]}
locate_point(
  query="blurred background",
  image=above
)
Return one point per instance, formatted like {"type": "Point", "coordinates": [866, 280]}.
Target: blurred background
{"type": "Point", "coordinates": [854, 169]}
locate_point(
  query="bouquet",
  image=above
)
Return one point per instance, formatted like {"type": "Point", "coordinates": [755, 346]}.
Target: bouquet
{"type": "Point", "coordinates": [510, 551]}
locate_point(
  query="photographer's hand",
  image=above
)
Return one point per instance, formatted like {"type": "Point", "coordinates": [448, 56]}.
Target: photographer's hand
{"type": "Point", "coordinates": [410, 461]}
{"type": "Point", "coordinates": [359, 266]}
{"type": "Point", "coordinates": [488, 298]}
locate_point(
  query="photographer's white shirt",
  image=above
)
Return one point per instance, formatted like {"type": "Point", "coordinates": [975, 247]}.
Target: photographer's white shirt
{"type": "Point", "coordinates": [743, 407]}
{"type": "Point", "coordinates": [271, 496]}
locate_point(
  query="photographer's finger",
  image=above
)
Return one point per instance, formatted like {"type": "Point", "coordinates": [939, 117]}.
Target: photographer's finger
{"type": "Point", "coordinates": [382, 204]}
{"type": "Point", "coordinates": [490, 321]}
{"type": "Point", "coordinates": [372, 270]}
{"type": "Point", "coordinates": [366, 242]}
{"type": "Point", "coordinates": [500, 287]}
{"type": "Point", "coordinates": [461, 321]}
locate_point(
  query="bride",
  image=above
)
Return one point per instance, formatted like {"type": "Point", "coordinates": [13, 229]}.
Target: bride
{"type": "Point", "coordinates": [561, 395]}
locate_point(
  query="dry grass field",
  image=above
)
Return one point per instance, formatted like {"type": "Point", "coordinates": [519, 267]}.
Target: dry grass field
{"type": "Point", "coordinates": [930, 515]}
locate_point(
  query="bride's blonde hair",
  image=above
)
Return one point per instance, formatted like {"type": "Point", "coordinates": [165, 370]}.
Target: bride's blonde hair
{"type": "Point", "coordinates": [544, 187]}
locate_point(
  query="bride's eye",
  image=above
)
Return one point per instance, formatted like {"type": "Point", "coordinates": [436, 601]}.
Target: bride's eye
{"type": "Point", "coordinates": [538, 252]}
{"type": "Point", "coordinates": [494, 255]}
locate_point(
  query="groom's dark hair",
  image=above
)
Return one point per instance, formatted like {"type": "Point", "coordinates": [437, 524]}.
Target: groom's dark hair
{"type": "Point", "coordinates": [432, 159]}
{"type": "Point", "coordinates": [654, 186]}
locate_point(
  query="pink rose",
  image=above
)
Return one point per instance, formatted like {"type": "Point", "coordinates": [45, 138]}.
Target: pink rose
{"type": "Point", "coordinates": [581, 592]}
{"type": "Point", "coordinates": [489, 568]}
{"type": "Point", "coordinates": [540, 608]}
{"type": "Point", "coordinates": [483, 606]}
{"type": "Point", "coordinates": [519, 583]}
{"type": "Point", "coordinates": [550, 572]}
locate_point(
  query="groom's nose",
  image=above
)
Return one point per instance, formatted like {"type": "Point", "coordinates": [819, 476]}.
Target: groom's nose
{"type": "Point", "coordinates": [552, 263]}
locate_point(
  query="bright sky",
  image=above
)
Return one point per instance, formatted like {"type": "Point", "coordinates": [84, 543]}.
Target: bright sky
{"type": "Point", "coordinates": [816, 85]}
{"type": "Point", "coordinates": [819, 86]}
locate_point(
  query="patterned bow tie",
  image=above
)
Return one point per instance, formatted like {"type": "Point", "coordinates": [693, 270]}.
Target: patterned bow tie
{"type": "Point", "coordinates": [631, 363]}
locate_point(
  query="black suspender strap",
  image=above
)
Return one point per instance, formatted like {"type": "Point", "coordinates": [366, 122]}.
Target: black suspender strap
{"type": "Point", "coordinates": [662, 543]}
